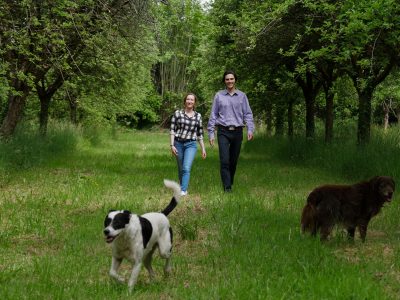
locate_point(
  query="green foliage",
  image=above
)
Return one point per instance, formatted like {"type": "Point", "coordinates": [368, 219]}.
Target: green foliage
{"type": "Point", "coordinates": [122, 84]}
{"type": "Point", "coordinates": [342, 157]}
{"type": "Point", "coordinates": [46, 43]}
{"type": "Point", "coordinates": [387, 96]}
{"type": "Point", "coordinates": [27, 148]}
{"type": "Point", "coordinates": [321, 40]}
{"type": "Point", "coordinates": [131, 62]}
{"type": "Point", "coordinates": [179, 32]}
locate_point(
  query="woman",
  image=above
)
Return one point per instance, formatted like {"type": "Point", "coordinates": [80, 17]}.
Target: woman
{"type": "Point", "coordinates": [230, 113]}
{"type": "Point", "coordinates": [186, 129]}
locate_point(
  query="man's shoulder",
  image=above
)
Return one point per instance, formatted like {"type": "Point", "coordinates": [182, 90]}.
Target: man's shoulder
{"type": "Point", "coordinates": [240, 93]}
{"type": "Point", "coordinates": [221, 92]}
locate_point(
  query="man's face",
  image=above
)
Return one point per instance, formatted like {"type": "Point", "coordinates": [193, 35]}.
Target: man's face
{"type": "Point", "coordinates": [229, 81]}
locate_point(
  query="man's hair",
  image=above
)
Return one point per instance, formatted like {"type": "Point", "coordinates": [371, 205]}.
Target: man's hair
{"type": "Point", "coordinates": [227, 72]}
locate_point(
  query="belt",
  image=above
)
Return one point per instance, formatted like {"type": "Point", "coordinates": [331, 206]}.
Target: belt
{"type": "Point", "coordinates": [230, 128]}
{"type": "Point", "coordinates": [178, 139]}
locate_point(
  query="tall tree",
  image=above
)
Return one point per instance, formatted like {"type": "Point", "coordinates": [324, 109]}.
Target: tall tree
{"type": "Point", "coordinates": [179, 28]}
{"type": "Point", "coordinates": [42, 43]}
{"type": "Point", "coordinates": [369, 48]}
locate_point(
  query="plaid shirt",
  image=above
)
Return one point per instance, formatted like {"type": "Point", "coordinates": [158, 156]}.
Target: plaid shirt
{"type": "Point", "coordinates": [187, 128]}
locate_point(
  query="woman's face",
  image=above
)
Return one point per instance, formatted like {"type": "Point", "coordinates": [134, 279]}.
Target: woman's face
{"type": "Point", "coordinates": [230, 81]}
{"type": "Point", "coordinates": [189, 102]}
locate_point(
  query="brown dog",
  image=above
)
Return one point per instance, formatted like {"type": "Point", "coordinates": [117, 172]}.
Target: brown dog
{"type": "Point", "coordinates": [351, 205]}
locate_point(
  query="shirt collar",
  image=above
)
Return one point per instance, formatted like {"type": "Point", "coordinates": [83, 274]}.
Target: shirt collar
{"type": "Point", "coordinates": [227, 93]}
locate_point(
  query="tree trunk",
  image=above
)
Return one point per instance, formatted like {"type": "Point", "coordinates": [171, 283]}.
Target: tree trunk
{"type": "Point", "coordinates": [310, 113]}
{"type": "Point", "coordinates": [386, 120]}
{"type": "Point", "coordinates": [45, 96]}
{"type": "Point", "coordinates": [16, 106]}
{"type": "Point", "coordinates": [365, 93]}
{"type": "Point", "coordinates": [268, 112]}
{"type": "Point", "coordinates": [364, 116]}
{"type": "Point", "coordinates": [279, 119]}
{"type": "Point", "coordinates": [386, 108]}
{"type": "Point", "coordinates": [44, 114]}
{"type": "Point", "coordinates": [310, 92]}
{"type": "Point", "coordinates": [73, 110]}
{"type": "Point", "coordinates": [328, 113]}
{"type": "Point", "coordinates": [290, 119]}
{"type": "Point", "coordinates": [398, 116]}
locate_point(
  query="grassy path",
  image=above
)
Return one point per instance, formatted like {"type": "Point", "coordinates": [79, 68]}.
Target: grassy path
{"type": "Point", "coordinates": [244, 245]}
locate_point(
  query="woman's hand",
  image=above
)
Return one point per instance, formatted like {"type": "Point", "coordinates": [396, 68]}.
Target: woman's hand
{"type": "Point", "coordinates": [174, 151]}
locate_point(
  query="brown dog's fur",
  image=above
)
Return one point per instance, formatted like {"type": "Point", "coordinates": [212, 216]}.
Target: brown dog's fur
{"type": "Point", "coordinates": [351, 205]}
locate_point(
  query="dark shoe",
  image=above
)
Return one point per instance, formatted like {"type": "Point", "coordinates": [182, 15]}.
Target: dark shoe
{"type": "Point", "coordinates": [228, 190]}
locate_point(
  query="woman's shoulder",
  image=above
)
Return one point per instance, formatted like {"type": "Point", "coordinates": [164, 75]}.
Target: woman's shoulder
{"type": "Point", "coordinates": [178, 112]}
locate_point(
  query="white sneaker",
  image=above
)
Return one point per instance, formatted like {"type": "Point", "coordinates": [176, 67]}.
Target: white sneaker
{"type": "Point", "coordinates": [183, 193]}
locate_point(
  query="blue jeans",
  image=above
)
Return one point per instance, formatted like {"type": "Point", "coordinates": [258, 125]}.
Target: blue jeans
{"type": "Point", "coordinates": [186, 153]}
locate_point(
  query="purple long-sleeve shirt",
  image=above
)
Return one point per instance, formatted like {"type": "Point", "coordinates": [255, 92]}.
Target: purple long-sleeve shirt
{"type": "Point", "coordinates": [230, 110]}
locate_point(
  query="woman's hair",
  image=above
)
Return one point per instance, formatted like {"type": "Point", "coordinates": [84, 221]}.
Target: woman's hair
{"type": "Point", "coordinates": [227, 73]}
{"type": "Point", "coordinates": [188, 94]}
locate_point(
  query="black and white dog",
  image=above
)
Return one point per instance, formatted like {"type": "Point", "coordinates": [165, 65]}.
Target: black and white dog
{"type": "Point", "coordinates": [135, 237]}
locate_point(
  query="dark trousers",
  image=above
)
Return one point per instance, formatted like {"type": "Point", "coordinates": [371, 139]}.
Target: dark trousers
{"type": "Point", "coordinates": [229, 143]}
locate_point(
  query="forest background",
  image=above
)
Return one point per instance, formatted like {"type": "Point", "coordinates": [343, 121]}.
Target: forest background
{"type": "Point", "coordinates": [305, 65]}
{"type": "Point", "coordinates": [79, 79]}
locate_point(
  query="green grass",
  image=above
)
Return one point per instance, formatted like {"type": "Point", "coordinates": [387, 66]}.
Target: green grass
{"type": "Point", "coordinates": [244, 245]}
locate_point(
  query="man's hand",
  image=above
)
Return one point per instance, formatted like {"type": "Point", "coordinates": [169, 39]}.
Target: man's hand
{"type": "Point", "coordinates": [204, 154]}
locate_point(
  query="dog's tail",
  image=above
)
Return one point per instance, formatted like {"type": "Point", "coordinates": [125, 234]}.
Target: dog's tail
{"type": "Point", "coordinates": [175, 199]}
{"type": "Point", "coordinates": [309, 216]}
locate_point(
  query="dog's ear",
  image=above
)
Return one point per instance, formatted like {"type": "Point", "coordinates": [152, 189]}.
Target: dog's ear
{"type": "Point", "coordinates": [127, 212]}
{"type": "Point", "coordinates": [375, 182]}
{"type": "Point", "coordinates": [107, 221]}
{"type": "Point", "coordinates": [389, 181]}
{"type": "Point", "coordinates": [121, 220]}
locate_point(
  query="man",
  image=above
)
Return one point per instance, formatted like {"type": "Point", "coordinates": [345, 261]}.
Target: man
{"type": "Point", "coordinates": [229, 114]}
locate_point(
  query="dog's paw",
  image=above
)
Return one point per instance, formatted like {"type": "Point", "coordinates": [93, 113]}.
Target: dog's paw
{"type": "Point", "coordinates": [130, 288]}
{"type": "Point", "coordinates": [118, 278]}
{"type": "Point", "coordinates": [167, 271]}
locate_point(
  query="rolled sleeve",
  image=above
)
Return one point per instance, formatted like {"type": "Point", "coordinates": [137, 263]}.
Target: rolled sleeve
{"type": "Point", "coordinates": [213, 117]}
{"type": "Point", "coordinates": [173, 126]}
{"type": "Point", "coordinates": [200, 130]}
{"type": "Point", "coordinates": [248, 116]}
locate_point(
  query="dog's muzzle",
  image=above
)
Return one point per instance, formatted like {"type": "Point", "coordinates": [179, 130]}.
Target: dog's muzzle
{"type": "Point", "coordinates": [109, 238]}
{"type": "Point", "coordinates": [388, 197]}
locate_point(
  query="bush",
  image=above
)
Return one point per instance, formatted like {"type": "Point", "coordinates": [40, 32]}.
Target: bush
{"type": "Point", "coordinates": [342, 156]}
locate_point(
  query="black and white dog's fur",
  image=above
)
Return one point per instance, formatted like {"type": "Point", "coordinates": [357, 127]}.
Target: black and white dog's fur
{"type": "Point", "coordinates": [135, 237]}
